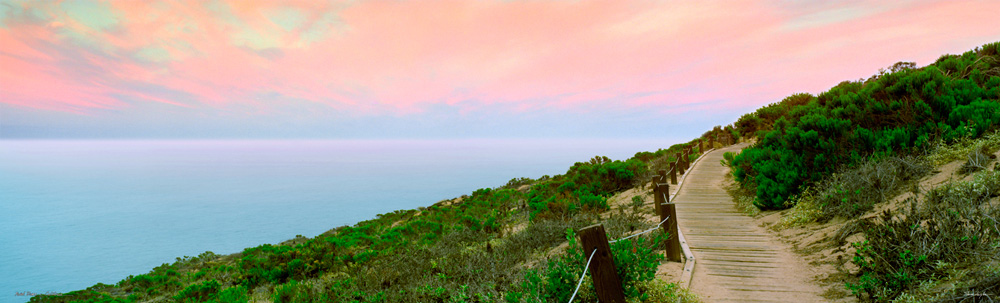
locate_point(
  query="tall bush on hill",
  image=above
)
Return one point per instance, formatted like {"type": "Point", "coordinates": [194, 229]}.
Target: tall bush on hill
{"type": "Point", "coordinates": [585, 186]}
{"type": "Point", "coordinates": [804, 138]}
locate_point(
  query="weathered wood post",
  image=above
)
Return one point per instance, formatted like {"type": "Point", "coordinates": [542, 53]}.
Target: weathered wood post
{"type": "Point", "coordinates": [687, 165]}
{"type": "Point", "coordinates": [660, 177]}
{"type": "Point", "coordinates": [663, 176]}
{"type": "Point", "coordinates": [680, 164]}
{"type": "Point", "coordinates": [687, 159]}
{"type": "Point", "coordinates": [655, 182]}
{"type": "Point", "coordinates": [661, 199]}
{"type": "Point", "coordinates": [711, 142]}
{"type": "Point", "coordinates": [602, 268]}
{"type": "Point", "coordinates": [657, 199]}
{"type": "Point", "coordinates": [673, 173]}
{"type": "Point", "coordinates": [680, 159]}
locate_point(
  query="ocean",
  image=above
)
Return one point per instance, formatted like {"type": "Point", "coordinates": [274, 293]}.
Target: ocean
{"type": "Point", "coordinates": [77, 212]}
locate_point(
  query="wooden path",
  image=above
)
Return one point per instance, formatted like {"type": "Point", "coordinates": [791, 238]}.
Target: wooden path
{"type": "Point", "coordinates": [737, 260]}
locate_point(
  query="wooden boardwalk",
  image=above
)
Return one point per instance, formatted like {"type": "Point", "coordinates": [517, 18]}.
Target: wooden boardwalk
{"type": "Point", "coordinates": [737, 260]}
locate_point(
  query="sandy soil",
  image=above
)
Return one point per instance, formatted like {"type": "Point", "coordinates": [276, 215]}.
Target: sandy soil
{"type": "Point", "coordinates": [829, 256]}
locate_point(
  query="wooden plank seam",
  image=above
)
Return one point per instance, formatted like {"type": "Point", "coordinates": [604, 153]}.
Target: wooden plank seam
{"type": "Point", "coordinates": [689, 260]}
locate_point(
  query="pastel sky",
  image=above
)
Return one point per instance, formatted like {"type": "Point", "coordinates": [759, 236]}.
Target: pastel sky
{"type": "Point", "coordinates": [445, 69]}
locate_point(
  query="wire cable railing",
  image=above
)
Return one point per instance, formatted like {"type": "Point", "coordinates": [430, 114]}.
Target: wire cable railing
{"type": "Point", "coordinates": [584, 274]}
{"type": "Point", "coordinates": [606, 280]}
{"type": "Point", "coordinates": [643, 232]}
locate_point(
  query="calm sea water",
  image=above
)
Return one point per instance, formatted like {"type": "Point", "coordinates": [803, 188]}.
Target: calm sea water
{"type": "Point", "coordinates": [74, 213]}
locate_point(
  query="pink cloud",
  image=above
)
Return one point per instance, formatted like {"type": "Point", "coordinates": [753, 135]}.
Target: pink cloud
{"type": "Point", "coordinates": [401, 57]}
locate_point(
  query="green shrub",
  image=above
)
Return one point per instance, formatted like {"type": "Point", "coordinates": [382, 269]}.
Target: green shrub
{"type": "Point", "coordinates": [637, 260]}
{"type": "Point", "coordinates": [199, 292]}
{"type": "Point", "coordinates": [292, 292]}
{"type": "Point", "coordinates": [955, 224]}
{"type": "Point", "coordinates": [561, 276]}
{"type": "Point", "coordinates": [235, 294]}
{"type": "Point", "coordinates": [804, 138]}
{"type": "Point", "coordinates": [583, 188]}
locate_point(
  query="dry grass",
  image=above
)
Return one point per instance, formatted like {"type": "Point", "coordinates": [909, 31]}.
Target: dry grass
{"type": "Point", "coordinates": [960, 150]}
{"type": "Point", "coordinates": [855, 191]}
{"type": "Point", "coordinates": [954, 226]}
{"type": "Point", "coordinates": [805, 211]}
{"type": "Point", "coordinates": [743, 198]}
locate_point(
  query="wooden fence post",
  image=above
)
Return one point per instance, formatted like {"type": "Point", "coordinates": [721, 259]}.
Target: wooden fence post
{"type": "Point", "coordinates": [663, 176]}
{"type": "Point", "coordinates": [668, 212]}
{"type": "Point", "coordinates": [673, 173]}
{"type": "Point", "coordinates": [655, 181]}
{"type": "Point", "coordinates": [687, 158]}
{"type": "Point", "coordinates": [658, 199]}
{"type": "Point", "coordinates": [602, 268]}
{"type": "Point", "coordinates": [687, 165]}
{"type": "Point", "coordinates": [684, 167]}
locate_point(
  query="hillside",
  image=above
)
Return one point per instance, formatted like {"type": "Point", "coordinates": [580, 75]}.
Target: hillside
{"type": "Point", "coordinates": [507, 243]}
{"type": "Point", "coordinates": [887, 185]}
{"type": "Point", "coordinates": [889, 179]}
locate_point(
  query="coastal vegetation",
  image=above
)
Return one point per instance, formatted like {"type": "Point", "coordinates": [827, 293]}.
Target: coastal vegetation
{"type": "Point", "coordinates": [804, 138]}
{"type": "Point", "coordinates": [513, 243]}
{"type": "Point", "coordinates": [854, 157]}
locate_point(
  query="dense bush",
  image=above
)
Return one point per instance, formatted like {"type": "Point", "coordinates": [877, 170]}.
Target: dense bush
{"type": "Point", "coordinates": [585, 187]}
{"type": "Point", "coordinates": [199, 292]}
{"type": "Point", "coordinates": [804, 138]}
{"type": "Point", "coordinates": [293, 292]}
{"type": "Point", "coordinates": [637, 260]}
{"type": "Point", "coordinates": [235, 294]}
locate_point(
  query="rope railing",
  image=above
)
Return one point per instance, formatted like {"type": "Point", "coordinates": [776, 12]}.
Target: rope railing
{"type": "Point", "coordinates": [607, 283]}
{"type": "Point", "coordinates": [584, 274]}
{"type": "Point", "coordinates": [643, 232]}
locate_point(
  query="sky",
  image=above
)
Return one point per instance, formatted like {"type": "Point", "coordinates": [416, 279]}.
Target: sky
{"type": "Point", "coordinates": [445, 69]}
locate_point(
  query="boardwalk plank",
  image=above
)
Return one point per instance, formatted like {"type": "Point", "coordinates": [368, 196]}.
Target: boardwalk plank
{"type": "Point", "coordinates": [737, 260]}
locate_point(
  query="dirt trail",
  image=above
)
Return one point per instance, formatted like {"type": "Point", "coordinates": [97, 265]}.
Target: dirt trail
{"type": "Point", "coordinates": [737, 260]}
